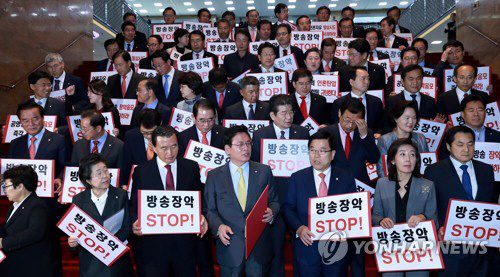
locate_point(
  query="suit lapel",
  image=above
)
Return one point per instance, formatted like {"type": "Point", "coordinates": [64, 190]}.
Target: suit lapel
{"type": "Point", "coordinates": [19, 211]}
{"type": "Point", "coordinates": [252, 191]}
{"type": "Point", "coordinates": [272, 135]}
{"type": "Point", "coordinates": [241, 111]}
{"type": "Point", "coordinates": [293, 132]}
{"type": "Point", "coordinates": [226, 175]}
{"type": "Point", "coordinates": [479, 181]}
{"type": "Point", "coordinates": [130, 89]}
{"type": "Point", "coordinates": [40, 151]}
{"type": "Point", "coordinates": [106, 148]}
{"type": "Point", "coordinates": [90, 208]}
{"type": "Point", "coordinates": [455, 179]}
{"type": "Point", "coordinates": [415, 191]}
{"type": "Point", "coordinates": [111, 204]}
{"type": "Point", "coordinates": [258, 110]}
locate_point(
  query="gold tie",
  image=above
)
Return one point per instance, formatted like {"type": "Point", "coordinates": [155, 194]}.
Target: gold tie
{"type": "Point", "coordinates": [242, 192]}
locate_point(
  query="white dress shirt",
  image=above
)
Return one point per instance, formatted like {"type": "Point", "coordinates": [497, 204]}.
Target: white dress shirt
{"type": "Point", "coordinates": [278, 132]}
{"type": "Point", "coordinates": [200, 136]}
{"type": "Point", "coordinates": [317, 179]}
{"type": "Point", "coordinates": [163, 171]}
{"type": "Point", "coordinates": [199, 53]}
{"type": "Point", "coordinates": [127, 78]}
{"type": "Point", "coordinates": [461, 94]}
{"type": "Point", "coordinates": [61, 80]}
{"type": "Point", "coordinates": [343, 135]}
{"type": "Point", "coordinates": [330, 63]}
{"type": "Point", "coordinates": [470, 170]}
{"type": "Point", "coordinates": [307, 99]}
{"type": "Point", "coordinates": [99, 202]}
{"type": "Point", "coordinates": [408, 97]}
{"type": "Point", "coordinates": [363, 100]}
{"type": "Point", "coordinates": [41, 102]}
{"type": "Point", "coordinates": [170, 78]}
{"type": "Point", "coordinates": [246, 107]}
{"type": "Point", "coordinates": [288, 50]}
{"type": "Point", "coordinates": [391, 39]}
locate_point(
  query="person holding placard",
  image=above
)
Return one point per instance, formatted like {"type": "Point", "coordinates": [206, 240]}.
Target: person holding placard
{"type": "Point", "coordinates": [404, 196]}
{"type": "Point", "coordinates": [111, 47]}
{"type": "Point", "coordinates": [220, 91]}
{"type": "Point", "coordinates": [372, 36]}
{"type": "Point", "coordinates": [181, 40]}
{"type": "Point", "coordinates": [25, 236]}
{"type": "Point", "coordinates": [283, 36]}
{"type": "Point", "coordinates": [123, 84]}
{"type": "Point", "coordinates": [306, 104]}
{"type": "Point", "coordinates": [409, 56]}
{"type": "Point", "coordinates": [453, 55]}
{"type": "Point", "coordinates": [226, 216]}
{"type": "Point", "coordinates": [403, 118]}
{"type": "Point", "coordinates": [322, 178]}
{"type": "Point", "coordinates": [147, 100]}
{"type": "Point", "coordinates": [357, 31]}
{"type": "Point", "coordinates": [395, 13]}
{"type": "Point", "coordinates": [107, 205]}
{"type": "Point", "coordinates": [197, 42]}
{"type": "Point", "coordinates": [242, 60]}
{"type": "Point", "coordinates": [249, 108]}
{"type": "Point", "coordinates": [461, 177]}
{"type": "Point", "coordinates": [39, 82]}
{"type": "Point", "coordinates": [191, 86]}
{"type": "Point", "coordinates": [128, 41]}
{"type": "Point", "coordinates": [329, 63]}
{"type": "Point", "coordinates": [387, 25]}
{"type": "Point", "coordinates": [323, 14]}
{"type": "Point", "coordinates": [168, 89]}
{"type": "Point", "coordinates": [155, 43]}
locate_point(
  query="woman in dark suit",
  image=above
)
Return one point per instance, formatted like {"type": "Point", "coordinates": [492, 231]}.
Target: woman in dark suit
{"type": "Point", "coordinates": [102, 201]}
{"type": "Point", "coordinates": [404, 196]}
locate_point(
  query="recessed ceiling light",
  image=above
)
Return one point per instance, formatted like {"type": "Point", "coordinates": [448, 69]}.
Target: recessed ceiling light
{"type": "Point", "coordinates": [160, 10]}
{"type": "Point", "coordinates": [403, 3]}
{"type": "Point", "coordinates": [158, 4]}
{"type": "Point", "coordinates": [270, 1]}
{"type": "Point", "coordinates": [311, 6]}
{"type": "Point", "coordinates": [382, 3]}
{"type": "Point", "coordinates": [137, 5]}
{"type": "Point", "coordinates": [332, 5]}
{"type": "Point", "coordinates": [230, 8]}
{"type": "Point", "coordinates": [208, 3]}
{"type": "Point", "coordinates": [191, 10]}
{"type": "Point", "coordinates": [353, 4]}
{"type": "Point", "coordinates": [211, 9]}
{"type": "Point", "coordinates": [229, 2]}
{"type": "Point", "coordinates": [52, 14]}
{"type": "Point", "coordinates": [291, 7]}
{"type": "Point", "coordinates": [292, 1]}
{"type": "Point", "coordinates": [437, 42]}
{"type": "Point", "coordinates": [270, 7]}
{"type": "Point", "coordinates": [251, 7]}
{"type": "Point", "coordinates": [250, 2]}
{"type": "Point", "coordinates": [314, 0]}
{"type": "Point", "coordinates": [335, 0]}
{"type": "Point", "coordinates": [188, 4]}
{"type": "Point", "coordinates": [34, 14]}
{"type": "Point", "coordinates": [143, 11]}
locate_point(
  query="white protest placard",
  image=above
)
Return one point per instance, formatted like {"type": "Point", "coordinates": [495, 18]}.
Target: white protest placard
{"type": "Point", "coordinates": [426, 159]}
{"type": "Point", "coordinates": [180, 120]}
{"type": "Point", "coordinates": [287, 63]}
{"type": "Point", "coordinates": [471, 221]}
{"type": "Point", "coordinates": [385, 63]}
{"type": "Point", "coordinates": [74, 124]}
{"type": "Point", "coordinates": [125, 108]}
{"type": "Point", "coordinates": [166, 31]}
{"type": "Point", "coordinates": [169, 212]}
{"type": "Point", "coordinates": [489, 152]}
{"type": "Point", "coordinates": [92, 236]}
{"type": "Point", "coordinates": [326, 86]}
{"type": "Point", "coordinates": [360, 187]}
{"type": "Point", "coordinates": [211, 34]}
{"type": "Point", "coordinates": [449, 84]}
{"type": "Point", "coordinates": [136, 57]}
{"type": "Point", "coordinates": [394, 55]}
{"type": "Point", "coordinates": [407, 36]}
{"type": "Point", "coordinates": [433, 132]}
{"type": "Point", "coordinates": [59, 94]}
{"type": "Point", "coordinates": [329, 28]}
{"type": "Point", "coordinates": [492, 119]}
{"type": "Point", "coordinates": [311, 125]}
{"type": "Point", "coordinates": [481, 83]}
{"type": "Point", "coordinates": [14, 129]}
{"type": "Point", "coordinates": [429, 85]}
{"type": "Point", "coordinates": [342, 47]}
{"type": "Point", "coordinates": [252, 125]}
{"type": "Point", "coordinates": [102, 75]}
{"type": "Point", "coordinates": [284, 156]}
{"type": "Point", "coordinates": [371, 169]}
{"type": "Point", "coordinates": [44, 169]}
{"type": "Point", "coordinates": [72, 185]}
{"type": "Point", "coordinates": [254, 46]}
{"type": "Point", "coordinates": [306, 39]}
{"type": "Point", "coordinates": [349, 212]}
{"type": "Point", "coordinates": [148, 73]}
{"type": "Point", "coordinates": [241, 76]}
{"type": "Point", "coordinates": [2, 256]}
{"type": "Point", "coordinates": [271, 84]}
{"type": "Point", "coordinates": [200, 66]}
{"type": "Point", "coordinates": [428, 70]}
{"type": "Point", "coordinates": [207, 157]}
{"type": "Point", "coordinates": [191, 25]}
{"type": "Point", "coordinates": [221, 49]}
{"type": "Point", "coordinates": [403, 248]}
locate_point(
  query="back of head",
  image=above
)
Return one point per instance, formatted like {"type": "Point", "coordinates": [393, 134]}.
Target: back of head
{"type": "Point", "coordinates": [149, 118]}
{"type": "Point", "coordinates": [95, 117]}
{"type": "Point", "coordinates": [360, 45]}
{"type": "Point", "coordinates": [203, 104]}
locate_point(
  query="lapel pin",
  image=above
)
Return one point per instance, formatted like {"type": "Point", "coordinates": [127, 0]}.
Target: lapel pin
{"type": "Point", "coordinates": [109, 145]}
{"type": "Point", "coordinates": [116, 197]}
{"type": "Point", "coordinates": [255, 171]}
{"type": "Point", "coordinates": [48, 140]}
{"type": "Point", "coordinates": [336, 178]}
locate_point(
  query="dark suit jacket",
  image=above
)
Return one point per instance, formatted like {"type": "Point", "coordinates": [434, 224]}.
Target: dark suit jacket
{"type": "Point", "coordinates": [439, 73]}
{"type": "Point", "coordinates": [404, 30]}
{"type": "Point", "coordinates": [448, 184]}
{"type": "Point", "coordinates": [235, 65]}
{"type": "Point", "coordinates": [216, 138]}
{"type": "Point", "coordinates": [134, 153]}
{"type": "Point", "coordinates": [358, 31]}
{"type": "Point", "coordinates": [447, 103]}
{"type": "Point", "coordinates": [490, 135]}
{"type": "Point", "coordinates": [362, 151]}
{"type": "Point", "coordinates": [116, 201]}
{"type": "Point", "coordinates": [140, 42]}
{"type": "Point", "coordinates": [80, 97]}
{"type": "Point", "coordinates": [375, 71]}
{"type": "Point", "coordinates": [102, 65]}
{"type": "Point", "coordinates": [337, 64]}
{"type": "Point", "coordinates": [427, 108]}
{"type": "Point", "coordinates": [297, 52]}
{"type": "Point", "coordinates": [189, 56]}
{"type": "Point", "coordinates": [115, 86]}
{"type": "Point", "coordinates": [164, 111]}
{"type": "Point", "coordinates": [317, 109]}
{"type": "Point", "coordinates": [111, 151]}
{"type": "Point", "coordinates": [398, 41]}
{"type": "Point", "coordinates": [374, 112]}
{"type": "Point", "coordinates": [237, 111]}
{"type": "Point", "coordinates": [54, 106]}
{"type": "Point", "coordinates": [259, 70]}
{"type": "Point", "coordinates": [145, 63]}
{"type": "Point", "coordinates": [301, 187]}
{"type": "Point", "coordinates": [231, 96]}
{"type": "Point", "coordinates": [382, 56]}
{"type": "Point", "coordinates": [222, 207]}
{"type": "Point", "coordinates": [26, 240]}
{"type": "Point", "coordinates": [174, 92]}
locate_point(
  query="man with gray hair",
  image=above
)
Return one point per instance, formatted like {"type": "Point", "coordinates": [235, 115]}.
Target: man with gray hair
{"type": "Point", "coordinates": [249, 107]}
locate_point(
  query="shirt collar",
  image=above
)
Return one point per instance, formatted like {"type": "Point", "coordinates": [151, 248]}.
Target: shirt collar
{"type": "Point", "coordinates": [457, 164]}
{"type": "Point", "coordinates": [39, 135]}
{"type": "Point", "coordinates": [326, 171]}
{"type": "Point", "coordinates": [271, 69]}
{"type": "Point", "coordinates": [94, 198]}
{"type": "Point", "coordinates": [278, 130]}
{"type": "Point", "coordinates": [363, 95]}
{"type": "Point", "coordinates": [61, 78]}
{"type": "Point", "coordinates": [408, 95]}
{"type": "Point", "coordinates": [102, 139]}
{"type": "Point", "coordinates": [234, 168]}
{"type": "Point", "coordinates": [163, 164]}
{"type": "Point", "coordinates": [477, 131]}
{"type": "Point", "coordinates": [461, 92]}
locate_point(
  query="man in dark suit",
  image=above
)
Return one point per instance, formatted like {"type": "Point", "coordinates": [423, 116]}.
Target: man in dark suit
{"type": "Point", "coordinates": [147, 100]}
{"type": "Point", "coordinates": [461, 177]}
{"type": "Point", "coordinates": [25, 234]}
{"type": "Point", "coordinates": [242, 60]}
{"type": "Point", "coordinates": [358, 56]}
{"type": "Point", "coordinates": [124, 84]}
{"type": "Point", "coordinates": [357, 31]}
{"type": "Point", "coordinates": [204, 130]}
{"type": "Point", "coordinates": [411, 77]}
{"type": "Point", "coordinates": [306, 104]}
{"type": "Point", "coordinates": [329, 63]}
{"type": "Point", "coordinates": [249, 108]}
{"type": "Point", "coordinates": [266, 55]}
{"type": "Point", "coordinates": [223, 30]}
{"type": "Point", "coordinates": [168, 90]}
{"type": "Point", "coordinates": [422, 45]}
{"type": "Point", "coordinates": [265, 30]}
{"type": "Point", "coordinates": [155, 43]}
{"type": "Point", "coordinates": [281, 13]}
{"type": "Point", "coordinates": [165, 255]}
{"type": "Point", "coordinates": [372, 36]}
{"type": "Point", "coordinates": [128, 41]}
{"type": "Point", "coordinates": [246, 180]}
{"type": "Point", "coordinates": [320, 179]}
{"type": "Point", "coordinates": [409, 56]}
{"type": "Point", "coordinates": [360, 81]}
{"type": "Point", "coordinates": [96, 140]}
{"type": "Point", "coordinates": [111, 46]}
{"type": "Point", "coordinates": [453, 55]}
{"type": "Point", "coordinates": [283, 36]}
{"type": "Point", "coordinates": [220, 92]}
{"type": "Point", "coordinates": [197, 42]}
{"type": "Point", "coordinates": [390, 40]}
{"type": "Point", "coordinates": [464, 76]}
{"type": "Point", "coordinates": [395, 13]}
{"type": "Point", "coordinates": [39, 82]}
{"type": "Point", "coordinates": [139, 36]}
{"type": "Point", "coordinates": [252, 24]}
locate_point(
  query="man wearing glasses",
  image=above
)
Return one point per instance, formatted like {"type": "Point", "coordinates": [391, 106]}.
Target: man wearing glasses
{"type": "Point", "coordinates": [155, 43]}
{"type": "Point", "coordinates": [283, 36]}
{"type": "Point", "coordinates": [204, 130]}
{"type": "Point", "coordinates": [168, 90]}
{"type": "Point", "coordinates": [147, 100]}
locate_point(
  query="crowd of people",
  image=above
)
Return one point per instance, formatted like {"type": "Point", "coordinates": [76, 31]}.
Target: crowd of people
{"type": "Point", "coordinates": [356, 129]}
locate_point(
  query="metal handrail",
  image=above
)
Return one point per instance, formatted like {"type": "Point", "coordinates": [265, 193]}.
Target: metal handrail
{"type": "Point", "coordinates": [482, 34]}
{"type": "Point", "coordinates": [80, 36]}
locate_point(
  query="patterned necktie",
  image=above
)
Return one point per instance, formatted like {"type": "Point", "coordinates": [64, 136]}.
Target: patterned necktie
{"type": "Point", "coordinates": [56, 84]}
{"type": "Point", "coordinates": [251, 113]}
{"type": "Point", "coordinates": [323, 190]}
{"type": "Point", "coordinates": [242, 191]}
{"type": "Point", "coordinates": [165, 86]}
{"type": "Point", "coordinates": [32, 149]}
{"type": "Point", "coordinates": [124, 86]}
{"type": "Point", "coordinates": [466, 182]}
{"type": "Point", "coordinates": [303, 106]}
{"type": "Point", "coordinates": [95, 149]}
{"type": "Point", "coordinates": [348, 143]}
{"type": "Point", "coordinates": [169, 180]}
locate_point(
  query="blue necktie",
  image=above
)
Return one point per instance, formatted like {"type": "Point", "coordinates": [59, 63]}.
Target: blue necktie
{"type": "Point", "coordinates": [56, 85]}
{"type": "Point", "coordinates": [466, 182]}
{"type": "Point", "coordinates": [251, 113]}
{"type": "Point", "coordinates": [165, 86]}
{"type": "Point", "coordinates": [128, 47]}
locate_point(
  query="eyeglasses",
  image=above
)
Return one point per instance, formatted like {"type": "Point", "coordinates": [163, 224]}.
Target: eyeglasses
{"type": "Point", "coordinates": [321, 152]}
{"type": "Point", "coordinates": [4, 187]}
{"type": "Point", "coordinates": [241, 144]}
{"type": "Point", "coordinates": [206, 120]}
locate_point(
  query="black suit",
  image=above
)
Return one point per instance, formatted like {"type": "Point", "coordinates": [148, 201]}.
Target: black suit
{"type": "Point", "coordinates": [116, 201]}
{"type": "Point", "coordinates": [231, 96]}
{"type": "Point", "coordinates": [439, 73]}
{"type": "Point", "coordinates": [115, 86]}
{"type": "Point", "coordinates": [145, 63]}
{"type": "Point", "coordinates": [102, 65]}
{"type": "Point", "coordinates": [403, 30]}
{"type": "Point", "coordinates": [427, 108]}
{"type": "Point", "coordinates": [174, 91]}
{"type": "Point", "coordinates": [447, 103]}
{"type": "Point", "coordinates": [134, 153]}
{"type": "Point", "coordinates": [155, 254]}
{"type": "Point", "coordinates": [259, 70]}
{"type": "Point", "coordinates": [358, 31]}
{"type": "Point", "coordinates": [374, 112]}
{"type": "Point", "coordinates": [111, 151]}
{"type": "Point", "coordinates": [381, 56]}
{"type": "Point", "coordinates": [398, 41]}
{"type": "Point", "coordinates": [375, 71]}
{"type": "Point", "coordinates": [164, 111]}
{"type": "Point", "coordinates": [140, 42]}
{"type": "Point", "coordinates": [490, 135]}
{"type": "Point", "coordinates": [54, 106]}
{"type": "Point", "coordinates": [216, 138]}
{"type": "Point", "coordinates": [79, 97]}
{"type": "Point", "coordinates": [237, 111]}
{"type": "Point", "coordinates": [27, 240]}
{"type": "Point", "coordinates": [189, 57]}
{"type": "Point", "coordinates": [297, 52]}
{"type": "Point", "coordinates": [317, 110]}
{"type": "Point", "coordinates": [337, 64]}
{"type": "Point", "coordinates": [236, 65]}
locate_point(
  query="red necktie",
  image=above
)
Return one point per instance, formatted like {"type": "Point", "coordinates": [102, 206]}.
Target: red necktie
{"type": "Point", "coordinates": [252, 32]}
{"type": "Point", "coordinates": [327, 67]}
{"type": "Point", "coordinates": [371, 56]}
{"type": "Point", "coordinates": [285, 52]}
{"type": "Point", "coordinates": [303, 106]}
{"type": "Point", "coordinates": [124, 85]}
{"type": "Point", "coordinates": [323, 190]}
{"type": "Point", "coordinates": [95, 149]}
{"type": "Point", "coordinates": [221, 99]}
{"type": "Point", "coordinates": [32, 149]}
{"type": "Point", "coordinates": [169, 180]}
{"type": "Point", "coordinates": [110, 67]}
{"type": "Point", "coordinates": [348, 143]}
{"type": "Point", "coordinates": [204, 139]}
